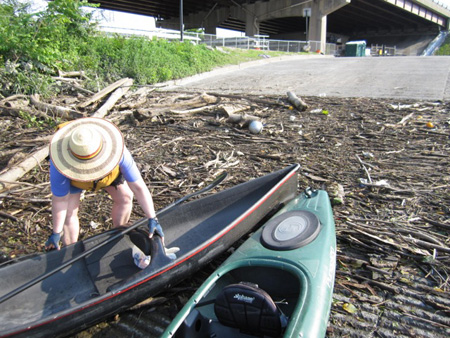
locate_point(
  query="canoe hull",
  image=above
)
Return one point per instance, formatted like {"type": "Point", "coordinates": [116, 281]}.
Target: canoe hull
{"type": "Point", "coordinates": [303, 278]}
{"type": "Point", "coordinates": [107, 281]}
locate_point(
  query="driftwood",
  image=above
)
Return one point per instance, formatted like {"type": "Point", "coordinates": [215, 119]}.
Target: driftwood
{"type": "Point", "coordinates": [105, 91]}
{"type": "Point", "coordinates": [73, 83]}
{"type": "Point", "coordinates": [193, 110]}
{"type": "Point", "coordinates": [8, 178]}
{"type": "Point", "coordinates": [179, 107]}
{"type": "Point", "coordinates": [233, 109]}
{"type": "Point", "coordinates": [15, 112]}
{"type": "Point", "coordinates": [62, 112]}
{"type": "Point", "coordinates": [118, 93]}
{"type": "Point", "coordinates": [251, 98]}
{"type": "Point", "coordinates": [196, 102]}
{"type": "Point", "coordinates": [13, 97]}
{"type": "Point", "coordinates": [81, 74]}
{"type": "Point", "coordinates": [298, 103]}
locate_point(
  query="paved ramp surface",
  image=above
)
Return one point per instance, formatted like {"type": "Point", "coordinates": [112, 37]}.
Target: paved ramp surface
{"type": "Point", "coordinates": [405, 77]}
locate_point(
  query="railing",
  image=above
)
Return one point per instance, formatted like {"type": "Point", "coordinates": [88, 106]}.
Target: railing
{"type": "Point", "coordinates": [263, 43]}
{"type": "Point", "coordinates": [259, 42]}
{"type": "Point", "coordinates": [435, 44]}
{"type": "Point", "coordinates": [382, 50]}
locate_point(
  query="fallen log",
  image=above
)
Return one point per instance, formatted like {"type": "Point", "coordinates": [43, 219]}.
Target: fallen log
{"type": "Point", "coordinates": [13, 97]}
{"type": "Point", "coordinates": [180, 107]}
{"type": "Point", "coordinates": [193, 110]}
{"type": "Point", "coordinates": [196, 102]}
{"type": "Point", "coordinates": [8, 178]}
{"type": "Point", "coordinates": [105, 91]}
{"type": "Point", "coordinates": [15, 112]}
{"type": "Point", "coordinates": [62, 112]}
{"type": "Point", "coordinates": [118, 93]}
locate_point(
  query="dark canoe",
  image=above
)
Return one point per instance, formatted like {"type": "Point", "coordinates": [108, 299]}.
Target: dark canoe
{"type": "Point", "coordinates": [291, 259]}
{"type": "Point", "coordinates": [107, 281]}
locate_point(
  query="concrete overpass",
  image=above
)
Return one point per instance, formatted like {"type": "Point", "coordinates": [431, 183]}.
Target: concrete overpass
{"type": "Point", "coordinates": [315, 20]}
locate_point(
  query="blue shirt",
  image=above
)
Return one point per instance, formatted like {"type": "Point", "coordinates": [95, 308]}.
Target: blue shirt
{"type": "Point", "coordinates": [60, 184]}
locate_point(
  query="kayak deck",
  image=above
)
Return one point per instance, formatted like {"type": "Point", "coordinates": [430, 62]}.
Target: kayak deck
{"type": "Point", "coordinates": [292, 275]}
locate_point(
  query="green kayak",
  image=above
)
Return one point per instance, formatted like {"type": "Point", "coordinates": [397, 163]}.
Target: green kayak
{"type": "Point", "coordinates": [279, 283]}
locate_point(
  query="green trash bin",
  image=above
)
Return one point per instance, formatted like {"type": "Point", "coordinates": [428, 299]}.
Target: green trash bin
{"type": "Point", "coordinates": [355, 48]}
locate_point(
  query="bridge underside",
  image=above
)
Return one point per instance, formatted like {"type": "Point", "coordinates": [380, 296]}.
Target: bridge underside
{"type": "Point", "coordinates": [359, 18]}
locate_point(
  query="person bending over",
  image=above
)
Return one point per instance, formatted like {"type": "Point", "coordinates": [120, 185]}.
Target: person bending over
{"type": "Point", "coordinates": [90, 154]}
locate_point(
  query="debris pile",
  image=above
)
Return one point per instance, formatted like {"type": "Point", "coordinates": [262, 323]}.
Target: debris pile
{"type": "Point", "coordinates": [384, 163]}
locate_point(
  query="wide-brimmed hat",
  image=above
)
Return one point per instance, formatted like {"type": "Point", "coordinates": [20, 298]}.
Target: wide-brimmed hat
{"type": "Point", "coordinates": [87, 149]}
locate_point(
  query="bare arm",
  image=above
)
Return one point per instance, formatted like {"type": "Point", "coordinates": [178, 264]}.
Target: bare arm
{"type": "Point", "coordinates": [144, 197]}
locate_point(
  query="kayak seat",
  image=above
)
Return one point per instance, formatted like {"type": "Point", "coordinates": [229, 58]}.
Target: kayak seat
{"type": "Point", "coordinates": [250, 309]}
{"type": "Point", "coordinates": [140, 238]}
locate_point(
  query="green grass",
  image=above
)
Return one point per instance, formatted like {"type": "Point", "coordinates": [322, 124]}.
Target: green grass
{"type": "Point", "coordinates": [150, 61]}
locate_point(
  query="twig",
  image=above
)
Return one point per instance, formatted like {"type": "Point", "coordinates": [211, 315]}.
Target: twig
{"type": "Point", "coordinates": [365, 169]}
{"type": "Point", "coordinates": [6, 215]}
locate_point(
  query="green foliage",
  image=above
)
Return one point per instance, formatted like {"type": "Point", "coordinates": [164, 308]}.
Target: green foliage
{"type": "Point", "coordinates": [445, 48]}
{"type": "Point", "coordinates": [148, 61]}
{"type": "Point", "coordinates": [34, 122]}
{"type": "Point", "coordinates": [44, 38]}
{"type": "Point", "coordinates": [25, 79]}
{"type": "Point", "coordinates": [34, 46]}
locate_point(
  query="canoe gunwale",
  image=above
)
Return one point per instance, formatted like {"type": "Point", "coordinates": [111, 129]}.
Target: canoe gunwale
{"type": "Point", "coordinates": [90, 307]}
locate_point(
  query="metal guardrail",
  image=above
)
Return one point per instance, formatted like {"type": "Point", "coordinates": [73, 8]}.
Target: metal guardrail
{"type": "Point", "coordinates": [435, 44]}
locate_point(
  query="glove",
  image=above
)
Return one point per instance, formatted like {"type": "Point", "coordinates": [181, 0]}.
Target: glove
{"type": "Point", "coordinates": [53, 242]}
{"type": "Point", "coordinates": [154, 228]}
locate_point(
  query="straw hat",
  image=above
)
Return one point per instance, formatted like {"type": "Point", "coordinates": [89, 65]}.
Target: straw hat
{"type": "Point", "coordinates": [87, 149]}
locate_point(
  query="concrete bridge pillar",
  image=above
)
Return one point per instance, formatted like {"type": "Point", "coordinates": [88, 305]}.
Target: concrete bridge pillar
{"type": "Point", "coordinates": [251, 24]}
{"type": "Point", "coordinates": [209, 25]}
{"type": "Point", "coordinates": [318, 21]}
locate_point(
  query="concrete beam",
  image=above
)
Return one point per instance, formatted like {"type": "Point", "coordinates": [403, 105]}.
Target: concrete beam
{"type": "Point", "coordinates": [425, 9]}
{"type": "Point", "coordinates": [330, 6]}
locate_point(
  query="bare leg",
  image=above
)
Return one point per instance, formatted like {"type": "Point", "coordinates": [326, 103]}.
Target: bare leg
{"type": "Point", "coordinates": [72, 223]}
{"type": "Point", "coordinates": [122, 197]}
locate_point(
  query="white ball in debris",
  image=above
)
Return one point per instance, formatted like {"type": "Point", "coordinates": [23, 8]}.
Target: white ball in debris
{"type": "Point", "coordinates": [255, 127]}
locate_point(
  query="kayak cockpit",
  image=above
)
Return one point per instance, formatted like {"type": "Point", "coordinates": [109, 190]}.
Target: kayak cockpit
{"type": "Point", "coordinates": [247, 301]}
